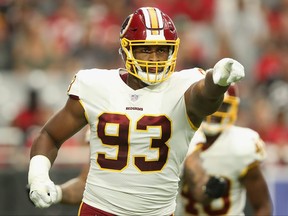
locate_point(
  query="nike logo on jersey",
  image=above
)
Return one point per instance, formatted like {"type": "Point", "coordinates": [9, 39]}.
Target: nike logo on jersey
{"type": "Point", "coordinates": [134, 97]}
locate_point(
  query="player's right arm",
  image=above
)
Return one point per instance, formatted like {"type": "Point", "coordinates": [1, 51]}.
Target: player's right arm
{"type": "Point", "coordinates": [203, 187]}
{"type": "Point", "coordinates": [65, 123]}
{"type": "Point", "coordinates": [195, 176]}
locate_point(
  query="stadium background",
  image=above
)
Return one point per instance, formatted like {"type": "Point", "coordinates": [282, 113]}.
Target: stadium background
{"type": "Point", "coordinates": [43, 43]}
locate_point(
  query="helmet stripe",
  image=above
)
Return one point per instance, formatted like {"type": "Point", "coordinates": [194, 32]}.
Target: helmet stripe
{"type": "Point", "coordinates": [160, 19]}
{"type": "Point", "coordinates": [154, 21]}
{"type": "Point", "coordinates": [147, 18]}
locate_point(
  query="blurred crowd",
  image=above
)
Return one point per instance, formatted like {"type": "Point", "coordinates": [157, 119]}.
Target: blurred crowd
{"type": "Point", "coordinates": [44, 43]}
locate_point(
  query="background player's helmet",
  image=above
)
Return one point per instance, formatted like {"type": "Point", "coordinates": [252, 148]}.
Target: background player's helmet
{"type": "Point", "coordinates": [225, 116]}
{"type": "Point", "coordinates": [149, 26]}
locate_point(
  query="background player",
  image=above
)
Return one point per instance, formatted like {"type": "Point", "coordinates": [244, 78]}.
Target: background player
{"type": "Point", "coordinates": [141, 124]}
{"type": "Point", "coordinates": [232, 152]}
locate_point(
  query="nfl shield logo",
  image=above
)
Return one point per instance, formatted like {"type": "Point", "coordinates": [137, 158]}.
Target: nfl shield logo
{"type": "Point", "coordinates": [134, 97]}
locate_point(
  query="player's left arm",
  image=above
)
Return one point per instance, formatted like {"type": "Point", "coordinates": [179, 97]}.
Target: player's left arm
{"type": "Point", "coordinates": [257, 191]}
{"type": "Point", "coordinates": [255, 183]}
{"type": "Point", "coordinates": [205, 96]}
{"type": "Point", "coordinates": [195, 176]}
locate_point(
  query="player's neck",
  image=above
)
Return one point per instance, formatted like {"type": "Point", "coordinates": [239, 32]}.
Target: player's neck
{"type": "Point", "coordinates": [211, 139]}
{"type": "Point", "coordinates": [135, 83]}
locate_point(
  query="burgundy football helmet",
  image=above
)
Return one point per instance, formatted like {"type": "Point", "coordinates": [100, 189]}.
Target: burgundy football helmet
{"type": "Point", "coordinates": [225, 116]}
{"type": "Point", "coordinates": [149, 26]}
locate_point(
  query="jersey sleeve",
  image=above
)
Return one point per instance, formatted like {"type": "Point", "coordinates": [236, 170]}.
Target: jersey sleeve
{"type": "Point", "coordinates": [74, 87]}
{"type": "Point", "coordinates": [256, 155]}
{"type": "Point", "coordinates": [198, 73]}
{"type": "Point", "coordinates": [260, 150]}
{"type": "Point", "coordinates": [196, 142]}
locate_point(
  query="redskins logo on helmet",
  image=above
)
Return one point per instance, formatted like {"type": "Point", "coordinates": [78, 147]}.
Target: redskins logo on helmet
{"type": "Point", "coordinates": [225, 116]}
{"type": "Point", "coordinates": [149, 26]}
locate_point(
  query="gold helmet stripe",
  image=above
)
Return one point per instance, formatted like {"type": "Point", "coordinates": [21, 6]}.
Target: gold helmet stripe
{"type": "Point", "coordinates": [154, 21]}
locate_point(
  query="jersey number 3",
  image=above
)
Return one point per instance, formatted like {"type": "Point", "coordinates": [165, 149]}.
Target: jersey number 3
{"type": "Point", "coordinates": [120, 141]}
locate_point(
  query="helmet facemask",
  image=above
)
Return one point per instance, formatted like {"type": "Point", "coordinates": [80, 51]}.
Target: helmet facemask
{"type": "Point", "coordinates": [150, 72]}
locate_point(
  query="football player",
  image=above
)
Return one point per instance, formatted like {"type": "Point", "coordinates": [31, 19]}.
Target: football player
{"type": "Point", "coordinates": [232, 152]}
{"type": "Point", "coordinates": [141, 123]}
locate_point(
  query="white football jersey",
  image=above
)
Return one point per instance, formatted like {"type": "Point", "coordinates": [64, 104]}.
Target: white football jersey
{"type": "Point", "coordinates": [139, 138]}
{"type": "Point", "coordinates": [230, 156]}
